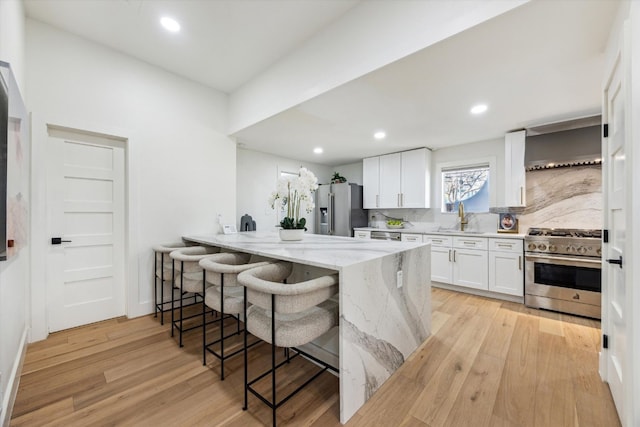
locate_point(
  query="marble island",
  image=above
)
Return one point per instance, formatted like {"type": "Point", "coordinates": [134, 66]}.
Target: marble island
{"type": "Point", "coordinates": [384, 295]}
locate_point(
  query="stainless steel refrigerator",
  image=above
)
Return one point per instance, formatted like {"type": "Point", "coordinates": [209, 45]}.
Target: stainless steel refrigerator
{"type": "Point", "coordinates": [339, 209]}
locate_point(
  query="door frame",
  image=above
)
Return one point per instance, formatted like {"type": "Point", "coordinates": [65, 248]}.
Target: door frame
{"type": "Point", "coordinates": [626, 40]}
{"type": "Point", "coordinates": [134, 306]}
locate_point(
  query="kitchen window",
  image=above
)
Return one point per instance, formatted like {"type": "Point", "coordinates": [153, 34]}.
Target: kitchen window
{"type": "Point", "coordinates": [467, 184]}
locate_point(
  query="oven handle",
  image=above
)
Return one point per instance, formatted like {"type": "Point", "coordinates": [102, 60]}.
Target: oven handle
{"type": "Point", "coordinates": [551, 259]}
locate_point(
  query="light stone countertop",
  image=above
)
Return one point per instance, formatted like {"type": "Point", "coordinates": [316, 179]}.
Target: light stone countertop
{"type": "Point", "coordinates": [323, 251]}
{"type": "Point", "coordinates": [418, 230]}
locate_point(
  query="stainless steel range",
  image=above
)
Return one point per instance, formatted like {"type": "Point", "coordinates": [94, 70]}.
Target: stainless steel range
{"type": "Point", "coordinates": [563, 270]}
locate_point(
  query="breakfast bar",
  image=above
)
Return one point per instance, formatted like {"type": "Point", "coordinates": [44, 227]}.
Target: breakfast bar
{"type": "Point", "coordinates": [384, 297]}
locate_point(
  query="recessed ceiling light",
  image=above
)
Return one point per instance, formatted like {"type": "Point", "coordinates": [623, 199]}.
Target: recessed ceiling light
{"type": "Point", "coordinates": [380, 135]}
{"type": "Point", "coordinates": [479, 109]}
{"type": "Point", "coordinates": [170, 24]}
{"type": "Point", "coordinates": [318, 150]}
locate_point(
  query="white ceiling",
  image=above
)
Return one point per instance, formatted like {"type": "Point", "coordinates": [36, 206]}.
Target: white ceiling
{"type": "Point", "coordinates": [222, 43]}
{"type": "Point", "coordinates": [538, 63]}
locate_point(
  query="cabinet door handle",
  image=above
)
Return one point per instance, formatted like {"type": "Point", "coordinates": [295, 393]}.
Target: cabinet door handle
{"type": "Point", "coordinates": [520, 262]}
{"type": "Point", "coordinates": [449, 255]}
{"type": "Point", "coordinates": [377, 200]}
{"type": "Point", "coordinates": [398, 201]}
{"type": "Point", "coordinates": [521, 195]}
{"type": "Point", "coordinates": [454, 255]}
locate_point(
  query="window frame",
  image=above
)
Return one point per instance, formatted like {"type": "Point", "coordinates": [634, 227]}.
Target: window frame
{"type": "Point", "coordinates": [441, 167]}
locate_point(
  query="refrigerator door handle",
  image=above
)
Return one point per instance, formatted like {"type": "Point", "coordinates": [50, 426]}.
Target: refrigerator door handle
{"type": "Point", "coordinates": [330, 214]}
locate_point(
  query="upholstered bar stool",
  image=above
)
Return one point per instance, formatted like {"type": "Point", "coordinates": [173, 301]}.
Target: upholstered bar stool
{"type": "Point", "coordinates": [164, 275]}
{"type": "Point", "coordinates": [188, 278]}
{"type": "Point", "coordinates": [302, 312]}
{"type": "Point", "coordinates": [225, 296]}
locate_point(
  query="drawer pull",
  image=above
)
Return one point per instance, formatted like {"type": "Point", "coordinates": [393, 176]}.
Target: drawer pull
{"type": "Point", "coordinates": [504, 245]}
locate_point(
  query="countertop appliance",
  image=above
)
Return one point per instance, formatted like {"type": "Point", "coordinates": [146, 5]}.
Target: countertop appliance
{"type": "Point", "coordinates": [386, 235]}
{"type": "Point", "coordinates": [339, 209]}
{"type": "Point", "coordinates": [563, 270]}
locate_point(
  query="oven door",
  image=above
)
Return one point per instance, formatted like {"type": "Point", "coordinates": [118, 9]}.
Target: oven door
{"type": "Point", "coordinates": [565, 284]}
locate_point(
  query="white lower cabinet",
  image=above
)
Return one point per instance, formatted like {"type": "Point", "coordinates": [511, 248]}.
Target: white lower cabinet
{"type": "Point", "coordinates": [488, 264]}
{"type": "Point", "coordinates": [441, 258]}
{"type": "Point", "coordinates": [470, 268]}
{"type": "Point", "coordinates": [361, 234]}
{"type": "Point", "coordinates": [415, 238]}
{"type": "Point", "coordinates": [506, 267]}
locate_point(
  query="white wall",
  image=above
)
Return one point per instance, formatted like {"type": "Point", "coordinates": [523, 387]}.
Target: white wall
{"type": "Point", "coordinates": [257, 174]}
{"type": "Point", "coordinates": [367, 37]}
{"type": "Point", "coordinates": [12, 38]}
{"type": "Point", "coordinates": [352, 171]}
{"type": "Point", "coordinates": [180, 164]}
{"type": "Point", "coordinates": [14, 273]}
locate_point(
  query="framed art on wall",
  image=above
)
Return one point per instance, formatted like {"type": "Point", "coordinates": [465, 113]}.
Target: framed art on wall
{"type": "Point", "coordinates": [508, 223]}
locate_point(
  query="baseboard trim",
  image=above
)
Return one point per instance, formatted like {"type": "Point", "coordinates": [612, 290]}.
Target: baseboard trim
{"type": "Point", "coordinates": [479, 292]}
{"type": "Point", "coordinates": [14, 381]}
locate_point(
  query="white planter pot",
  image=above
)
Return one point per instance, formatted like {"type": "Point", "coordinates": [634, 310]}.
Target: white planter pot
{"type": "Point", "coordinates": [291, 235]}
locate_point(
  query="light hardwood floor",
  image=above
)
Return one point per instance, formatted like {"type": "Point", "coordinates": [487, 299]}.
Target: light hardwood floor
{"type": "Point", "coordinates": [488, 363]}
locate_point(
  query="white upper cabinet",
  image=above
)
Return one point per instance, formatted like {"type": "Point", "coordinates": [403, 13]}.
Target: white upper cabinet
{"type": "Point", "coordinates": [416, 178]}
{"type": "Point", "coordinates": [514, 172]}
{"type": "Point", "coordinates": [390, 182]}
{"type": "Point", "coordinates": [371, 182]}
{"type": "Point", "coordinates": [398, 180]}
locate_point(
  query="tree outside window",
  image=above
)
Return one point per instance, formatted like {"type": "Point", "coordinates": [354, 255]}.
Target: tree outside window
{"type": "Point", "coordinates": [468, 185]}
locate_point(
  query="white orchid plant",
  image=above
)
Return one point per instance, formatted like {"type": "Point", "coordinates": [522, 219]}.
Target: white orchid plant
{"type": "Point", "coordinates": [295, 193]}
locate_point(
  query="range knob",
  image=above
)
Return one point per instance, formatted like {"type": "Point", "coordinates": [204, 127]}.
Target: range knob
{"type": "Point", "coordinates": [553, 248]}
{"type": "Point", "coordinates": [599, 251]}
{"type": "Point", "coordinates": [542, 247]}
{"type": "Point", "coordinates": [532, 246]}
{"type": "Point", "coordinates": [570, 249]}
{"type": "Point", "coordinates": [582, 250]}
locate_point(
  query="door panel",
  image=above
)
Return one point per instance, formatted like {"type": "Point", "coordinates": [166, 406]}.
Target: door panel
{"type": "Point", "coordinates": [85, 204]}
{"type": "Point", "coordinates": [615, 317]}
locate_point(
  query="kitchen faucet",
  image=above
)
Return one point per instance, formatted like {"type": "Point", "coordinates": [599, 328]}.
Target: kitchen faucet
{"type": "Point", "coordinates": [463, 221]}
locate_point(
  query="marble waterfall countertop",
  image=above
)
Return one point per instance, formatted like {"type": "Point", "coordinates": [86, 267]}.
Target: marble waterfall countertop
{"type": "Point", "coordinates": [384, 295]}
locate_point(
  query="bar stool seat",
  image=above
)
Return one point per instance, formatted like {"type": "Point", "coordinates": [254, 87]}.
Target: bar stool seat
{"type": "Point", "coordinates": [188, 279]}
{"type": "Point", "coordinates": [163, 273]}
{"type": "Point", "coordinates": [225, 297]}
{"type": "Point", "coordinates": [286, 315]}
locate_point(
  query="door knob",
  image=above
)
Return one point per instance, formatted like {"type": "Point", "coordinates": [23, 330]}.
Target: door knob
{"type": "Point", "coordinates": [616, 261]}
{"type": "Point", "coordinates": [58, 240]}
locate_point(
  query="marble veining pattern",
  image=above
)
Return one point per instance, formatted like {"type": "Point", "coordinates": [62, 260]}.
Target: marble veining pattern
{"type": "Point", "coordinates": [564, 198]}
{"type": "Point", "coordinates": [381, 324]}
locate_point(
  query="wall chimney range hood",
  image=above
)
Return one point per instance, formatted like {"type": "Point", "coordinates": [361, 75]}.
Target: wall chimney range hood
{"type": "Point", "coordinates": [560, 144]}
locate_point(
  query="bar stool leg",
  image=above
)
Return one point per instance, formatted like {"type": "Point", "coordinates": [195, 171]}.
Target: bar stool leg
{"type": "Point", "coordinates": [273, 357]}
{"type": "Point", "coordinates": [161, 289]}
{"type": "Point", "coordinates": [221, 326]}
{"type": "Point", "coordinates": [246, 373]}
{"type": "Point", "coordinates": [181, 283]}
{"type": "Point", "coordinates": [204, 319]}
{"type": "Point", "coordinates": [155, 284]}
{"type": "Point", "coordinates": [173, 285]}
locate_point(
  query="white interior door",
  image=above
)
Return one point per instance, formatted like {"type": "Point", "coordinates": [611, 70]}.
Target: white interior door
{"type": "Point", "coordinates": [615, 298]}
{"type": "Point", "coordinates": [85, 208]}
